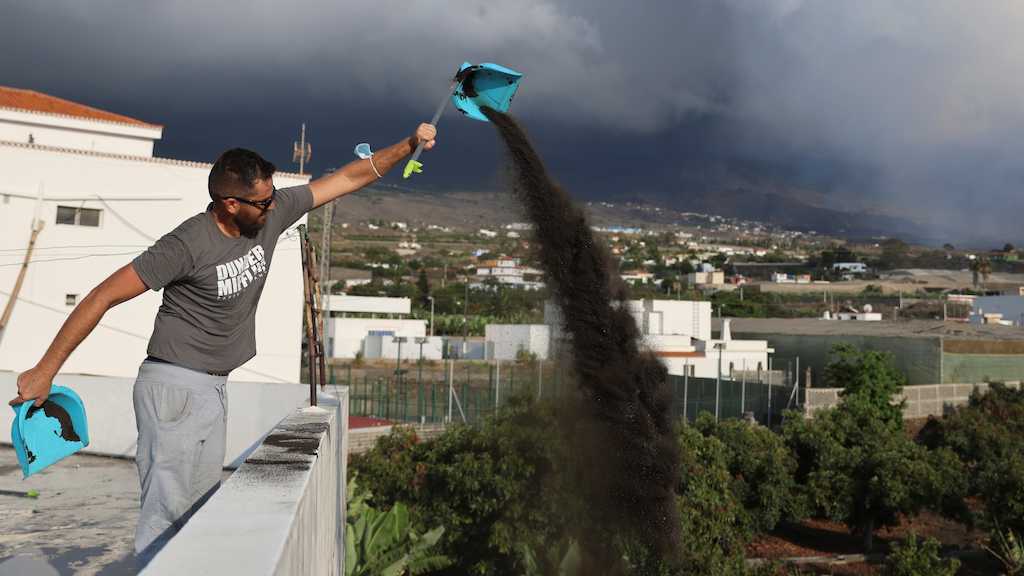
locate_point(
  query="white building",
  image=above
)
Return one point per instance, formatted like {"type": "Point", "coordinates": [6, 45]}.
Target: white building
{"type": "Point", "coordinates": [91, 179]}
{"type": "Point", "coordinates": [507, 341]}
{"type": "Point", "coordinates": [378, 330]}
{"type": "Point", "coordinates": [679, 333]}
{"type": "Point", "coordinates": [713, 278]}
{"type": "Point", "coordinates": [509, 271]}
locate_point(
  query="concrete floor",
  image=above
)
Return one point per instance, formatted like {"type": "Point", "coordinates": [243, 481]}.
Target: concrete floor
{"type": "Point", "coordinates": [83, 521]}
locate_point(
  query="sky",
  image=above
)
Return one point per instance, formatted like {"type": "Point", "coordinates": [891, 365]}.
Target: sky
{"type": "Point", "coordinates": [901, 107]}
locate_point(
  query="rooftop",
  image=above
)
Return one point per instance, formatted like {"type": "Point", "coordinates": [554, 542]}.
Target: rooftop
{"type": "Point", "coordinates": [83, 520]}
{"type": "Point", "coordinates": [32, 101]}
{"type": "Point", "coordinates": [905, 329]}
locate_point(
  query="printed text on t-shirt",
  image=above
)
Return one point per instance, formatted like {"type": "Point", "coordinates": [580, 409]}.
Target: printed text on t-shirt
{"type": "Point", "coordinates": [236, 275]}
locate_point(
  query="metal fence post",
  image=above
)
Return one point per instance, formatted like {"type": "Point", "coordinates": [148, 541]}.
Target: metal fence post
{"type": "Point", "coordinates": [743, 389]}
{"type": "Point", "coordinates": [540, 378]}
{"type": "Point", "coordinates": [686, 387]}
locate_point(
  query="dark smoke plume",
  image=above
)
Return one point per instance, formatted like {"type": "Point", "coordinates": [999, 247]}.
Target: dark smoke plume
{"type": "Point", "coordinates": [630, 457]}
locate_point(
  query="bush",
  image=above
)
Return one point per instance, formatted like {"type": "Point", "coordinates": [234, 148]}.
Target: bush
{"type": "Point", "coordinates": [762, 468]}
{"type": "Point", "coordinates": [986, 434]}
{"type": "Point", "coordinates": [859, 470]}
{"type": "Point", "coordinates": [919, 559]}
{"type": "Point", "coordinates": [714, 525]}
{"type": "Point", "coordinates": [488, 485]}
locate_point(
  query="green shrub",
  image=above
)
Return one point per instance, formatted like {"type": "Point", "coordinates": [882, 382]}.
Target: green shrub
{"type": "Point", "coordinates": [919, 559]}
{"type": "Point", "coordinates": [857, 469]}
{"type": "Point", "coordinates": [488, 485]}
{"type": "Point", "coordinates": [384, 542]}
{"type": "Point", "coordinates": [762, 468]}
{"type": "Point", "coordinates": [714, 526]}
{"type": "Point", "coordinates": [1008, 548]}
{"type": "Point", "coordinates": [986, 435]}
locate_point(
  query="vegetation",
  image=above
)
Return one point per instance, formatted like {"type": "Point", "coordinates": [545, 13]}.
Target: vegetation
{"type": "Point", "coordinates": [914, 558]}
{"type": "Point", "coordinates": [510, 505]}
{"type": "Point", "coordinates": [986, 435]}
{"type": "Point", "coordinates": [384, 543]}
{"type": "Point", "coordinates": [855, 462]}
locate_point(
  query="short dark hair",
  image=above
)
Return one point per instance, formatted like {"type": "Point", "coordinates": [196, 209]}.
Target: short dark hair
{"type": "Point", "coordinates": [236, 172]}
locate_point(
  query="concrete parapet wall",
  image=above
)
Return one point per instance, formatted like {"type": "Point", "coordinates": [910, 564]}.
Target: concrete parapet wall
{"type": "Point", "coordinates": [921, 401]}
{"type": "Point", "coordinates": [282, 512]}
{"type": "Point", "coordinates": [253, 409]}
{"type": "Point", "coordinates": [363, 439]}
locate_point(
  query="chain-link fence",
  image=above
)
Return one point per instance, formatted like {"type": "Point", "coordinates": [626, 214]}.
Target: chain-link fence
{"type": "Point", "coordinates": [466, 391]}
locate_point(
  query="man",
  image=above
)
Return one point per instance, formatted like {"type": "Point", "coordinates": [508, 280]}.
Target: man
{"type": "Point", "coordinates": [211, 269]}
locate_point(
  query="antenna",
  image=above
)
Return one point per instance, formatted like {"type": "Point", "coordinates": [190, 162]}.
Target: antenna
{"type": "Point", "coordinates": [302, 151]}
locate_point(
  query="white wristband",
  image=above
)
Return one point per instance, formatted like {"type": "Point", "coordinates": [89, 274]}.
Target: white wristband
{"type": "Point", "coordinates": [374, 167]}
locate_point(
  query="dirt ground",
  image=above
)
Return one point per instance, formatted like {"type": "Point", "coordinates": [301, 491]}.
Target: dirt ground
{"type": "Point", "coordinates": [824, 538]}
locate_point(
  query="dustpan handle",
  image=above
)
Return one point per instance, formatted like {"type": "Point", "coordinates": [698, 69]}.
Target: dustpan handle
{"type": "Point", "coordinates": [413, 165]}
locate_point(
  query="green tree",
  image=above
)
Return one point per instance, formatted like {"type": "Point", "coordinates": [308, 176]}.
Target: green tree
{"type": "Point", "coordinates": [867, 377]}
{"type": "Point", "coordinates": [986, 435]}
{"type": "Point", "coordinates": [762, 471]}
{"type": "Point", "coordinates": [487, 484]}
{"type": "Point", "coordinates": [863, 471]}
{"type": "Point", "coordinates": [714, 525]}
{"type": "Point", "coordinates": [855, 461]}
{"type": "Point", "coordinates": [423, 288]}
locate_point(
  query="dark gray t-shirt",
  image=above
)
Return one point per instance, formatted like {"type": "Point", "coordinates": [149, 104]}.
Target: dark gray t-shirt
{"type": "Point", "coordinates": [212, 284]}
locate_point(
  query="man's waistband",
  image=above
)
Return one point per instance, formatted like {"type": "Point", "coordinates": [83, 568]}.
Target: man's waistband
{"type": "Point", "coordinates": [162, 361]}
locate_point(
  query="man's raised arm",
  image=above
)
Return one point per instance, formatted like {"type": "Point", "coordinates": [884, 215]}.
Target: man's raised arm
{"type": "Point", "coordinates": [121, 286]}
{"type": "Point", "coordinates": [359, 173]}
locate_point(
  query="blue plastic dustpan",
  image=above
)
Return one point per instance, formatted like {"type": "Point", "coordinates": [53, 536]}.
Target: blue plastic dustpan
{"type": "Point", "coordinates": [474, 86]}
{"type": "Point", "coordinates": [45, 435]}
{"type": "Point", "coordinates": [485, 84]}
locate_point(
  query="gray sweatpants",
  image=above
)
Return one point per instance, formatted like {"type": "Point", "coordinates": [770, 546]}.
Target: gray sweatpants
{"type": "Point", "coordinates": [181, 415]}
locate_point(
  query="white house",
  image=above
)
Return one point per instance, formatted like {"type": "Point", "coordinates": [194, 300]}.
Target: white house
{"type": "Point", "coordinates": [102, 197]}
{"type": "Point", "coordinates": [509, 271]}
{"type": "Point", "coordinates": [377, 327]}
{"type": "Point", "coordinates": [506, 341]}
{"type": "Point", "coordinates": [679, 333]}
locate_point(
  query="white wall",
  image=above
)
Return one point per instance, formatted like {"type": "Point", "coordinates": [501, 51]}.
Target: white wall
{"type": "Point", "coordinates": [370, 304]}
{"type": "Point", "coordinates": [384, 347]}
{"type": "Point", "coordinates": [347, 335]}
{"type": "Point", "coordinates": [504, 341]}
{"type": "Point", "coordinates": [253, 409]}
{"type": "Point", "coordinates": [157, 195]}
{"type": "Point", "coordinates": [78, 133]}
{"type": "Point", "coordinates": [692, 318]}
{"type": "Point", "coordinates": [283, 512]}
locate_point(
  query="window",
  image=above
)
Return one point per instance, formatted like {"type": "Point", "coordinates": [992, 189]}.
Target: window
{"type": "Point", "coordinates": [78, 216]}
{"type": "Point", "coordinates": [70, 299]}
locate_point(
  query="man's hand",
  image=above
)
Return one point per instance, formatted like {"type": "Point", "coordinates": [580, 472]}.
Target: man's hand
{"type": "Point", "coordinates": [359, 173]}
{"type": "Point", "coordinates": [33, 384]}
{"type": "Point", "coordinates": [427, 134]}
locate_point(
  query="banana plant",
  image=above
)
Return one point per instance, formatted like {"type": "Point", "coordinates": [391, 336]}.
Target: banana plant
{"type": "Point", "coordinates": [384, 543]}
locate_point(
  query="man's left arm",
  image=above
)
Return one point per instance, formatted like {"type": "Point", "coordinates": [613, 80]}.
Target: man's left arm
{"type": "Point", "coordinates": [359, 173]}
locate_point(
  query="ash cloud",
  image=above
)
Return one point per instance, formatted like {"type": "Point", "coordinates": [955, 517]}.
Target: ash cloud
{"type": "Point", "coordinates": [907, 108]}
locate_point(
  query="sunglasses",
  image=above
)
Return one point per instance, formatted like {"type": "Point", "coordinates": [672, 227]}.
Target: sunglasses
{"type": "Point", "coordinates": [262, 205]}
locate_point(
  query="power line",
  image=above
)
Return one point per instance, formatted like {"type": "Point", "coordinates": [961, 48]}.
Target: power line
{"type": "Point", "coordinates": [128, 332]}
{"type": "Point", "coordinates": [68, 258]}
{"type": "Point", "coordinates": [37, 248]}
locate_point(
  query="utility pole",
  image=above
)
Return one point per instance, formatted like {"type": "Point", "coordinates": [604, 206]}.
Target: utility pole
{"type": "Point", "coordinates": [325, 264]}
{"type": "Point", "coordinates": [37, 227]}
{"type": "Point", "coordinates": [302, 151]}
